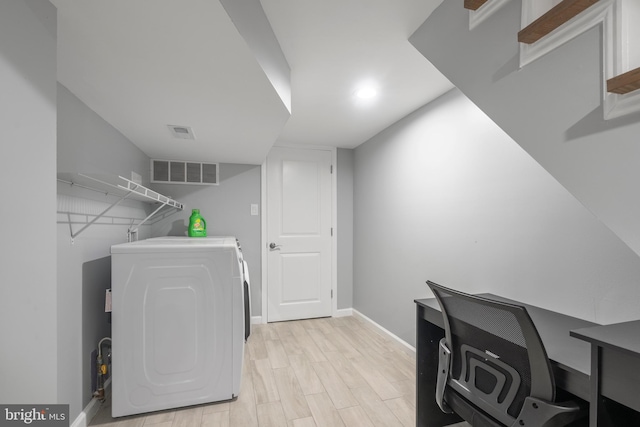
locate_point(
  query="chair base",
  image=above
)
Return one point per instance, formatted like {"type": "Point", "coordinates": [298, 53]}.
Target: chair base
{"type": "Point", "coordinates": [545, 415]}
{"type": "Point", "coordinates": [467, 411]}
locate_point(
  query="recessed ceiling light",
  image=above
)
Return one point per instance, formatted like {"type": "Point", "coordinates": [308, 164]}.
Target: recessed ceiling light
{"type": "Point", "coordinates": [366, 92]}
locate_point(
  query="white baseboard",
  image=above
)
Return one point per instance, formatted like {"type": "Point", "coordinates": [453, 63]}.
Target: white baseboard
{"type": "Point", "coordinates": [257, 320]}
{"type": "Point", "coordinates": [91, 409]}
{"type": "Point", "coordinates": [356, 313]}
{"type": "Point", "coordinates": [81, 420]}
{"type": "Point", "coordinates": [343, 312]}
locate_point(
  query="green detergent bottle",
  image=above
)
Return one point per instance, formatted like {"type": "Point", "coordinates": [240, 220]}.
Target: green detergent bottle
{"type": "Point", "coordinates": [197, 224]}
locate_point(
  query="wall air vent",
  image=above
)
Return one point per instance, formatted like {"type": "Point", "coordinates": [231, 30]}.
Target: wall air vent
{"type": "Point", "coordinates": [182, 132]}
{"type": "Point", "coordinates": [178, 172]}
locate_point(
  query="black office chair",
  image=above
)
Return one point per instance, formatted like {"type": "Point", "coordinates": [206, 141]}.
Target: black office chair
{"type": "Point", "coordinates": [493, 369]}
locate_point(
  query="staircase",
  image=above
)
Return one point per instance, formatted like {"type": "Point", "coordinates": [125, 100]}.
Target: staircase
{"type": "Point", "coordinates": [565, 17]}
{"type": "Point", "coordinates": [553, 19]}
{"type": "Point", "coordinates": [562, 78]}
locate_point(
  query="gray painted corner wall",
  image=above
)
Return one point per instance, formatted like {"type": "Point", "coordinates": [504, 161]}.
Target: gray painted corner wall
{"type": "Point", "coordinates": [28, 311]}
{"type": "Point", "coordinates": [551, 107]}
{"type": "Point", "coordinates": [344, 171]}
{"type": "Point", "coordinates": [227, 210]}
{"type": "Point", "coordinates": [465, 206]}
{"type": "Point", "coordinates": [87, 143]}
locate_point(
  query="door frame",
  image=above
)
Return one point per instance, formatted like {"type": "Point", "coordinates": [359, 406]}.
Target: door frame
{"type": "Point", "coordinates": [334, 222]}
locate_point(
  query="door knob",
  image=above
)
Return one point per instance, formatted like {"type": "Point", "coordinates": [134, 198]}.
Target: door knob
{"type": "Point", "coordinates": [273, 246]}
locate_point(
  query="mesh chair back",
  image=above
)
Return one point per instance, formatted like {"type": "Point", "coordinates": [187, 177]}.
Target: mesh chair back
{"type": "Point", "coordinates": [497, 357]}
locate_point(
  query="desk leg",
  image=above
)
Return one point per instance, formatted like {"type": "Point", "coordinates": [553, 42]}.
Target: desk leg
{"type": "Point", "coordinates": [598, 415]}
{"type": "Point", "coordinates": [594, 399]}
{"type": "Point", "coordinates": [428, 413]}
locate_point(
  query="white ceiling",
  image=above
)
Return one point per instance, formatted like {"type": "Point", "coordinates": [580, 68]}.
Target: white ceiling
{"type": "Point", "coordinates": [146, 64]}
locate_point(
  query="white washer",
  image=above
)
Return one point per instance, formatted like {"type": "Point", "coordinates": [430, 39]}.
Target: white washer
{"type": "Point", "coordinates": [177, 323]}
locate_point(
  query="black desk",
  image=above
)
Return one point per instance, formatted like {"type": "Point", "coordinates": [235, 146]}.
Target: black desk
{"type": "Point", "coordinates": [615, 371]}
{"type": "Point", "coordinates": [570, 357]}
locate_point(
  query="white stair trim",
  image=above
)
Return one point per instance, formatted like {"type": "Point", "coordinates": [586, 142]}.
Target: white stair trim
{"type": "Point", "coordinates": [616, 105]}
{"type": "Point", "coordinates": [595, 15]}
{"type": "Point", "coordinates": [607, 13]}
{"type": "Point", "coordinates": [476, 17]}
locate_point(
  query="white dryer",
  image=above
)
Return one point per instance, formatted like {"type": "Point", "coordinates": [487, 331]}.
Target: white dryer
{"type": "Point", "coordinates": [177, 323]}
{"type": "Point", "coordinates": [244, 267]}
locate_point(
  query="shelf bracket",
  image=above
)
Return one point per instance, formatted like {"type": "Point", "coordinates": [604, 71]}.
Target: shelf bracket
{"type": "Point", "coordinates": [133, 230]}
{"type": "Point", "coordinates": [100, 215]}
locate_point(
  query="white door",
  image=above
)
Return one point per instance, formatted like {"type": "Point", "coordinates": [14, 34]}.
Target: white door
{"type": "Point", "coordinates": [298, 233]}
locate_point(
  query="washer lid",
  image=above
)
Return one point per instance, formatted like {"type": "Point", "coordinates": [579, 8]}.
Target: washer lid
{"type": "Point", "coordinates": [176, 244]}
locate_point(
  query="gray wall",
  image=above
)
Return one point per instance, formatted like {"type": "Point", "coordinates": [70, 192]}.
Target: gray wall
{"type": "Point", "coordinates": [551, 107]}
{"type": "Point", "coordinates": [86, 143]}
{"type": "Point", "coordinates": [344, 171]}
{"type": "Point", "coordinates": [90, 144]}
{"type": "Point", "coordinates": [446, 195]}
{"type": "Point", "coordinates": [28, 325]}
{"type": "Point", "coordinates": [227, 210]}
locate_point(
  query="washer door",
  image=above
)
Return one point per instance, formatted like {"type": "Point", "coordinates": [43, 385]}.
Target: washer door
{"type": "Point", "coordinates": [173, 345]}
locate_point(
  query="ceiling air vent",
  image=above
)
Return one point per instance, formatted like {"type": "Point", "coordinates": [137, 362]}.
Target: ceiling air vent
{"type": "Point", "coordinates": [182, 132]}
{"type": "Point", "coordinates": [177, 172]}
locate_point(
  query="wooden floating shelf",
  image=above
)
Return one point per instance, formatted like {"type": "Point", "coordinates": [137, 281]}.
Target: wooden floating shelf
{"type": "Point", "coordinates": [624, 83]}
{"type": "Point", "coordinates": [474, 4]}
{"type": "Point", "coordinates": [555, 17]}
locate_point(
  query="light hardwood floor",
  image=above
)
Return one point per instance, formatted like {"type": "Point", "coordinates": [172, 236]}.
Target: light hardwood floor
{"type": "Point", "coordinates": [326, 372]}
